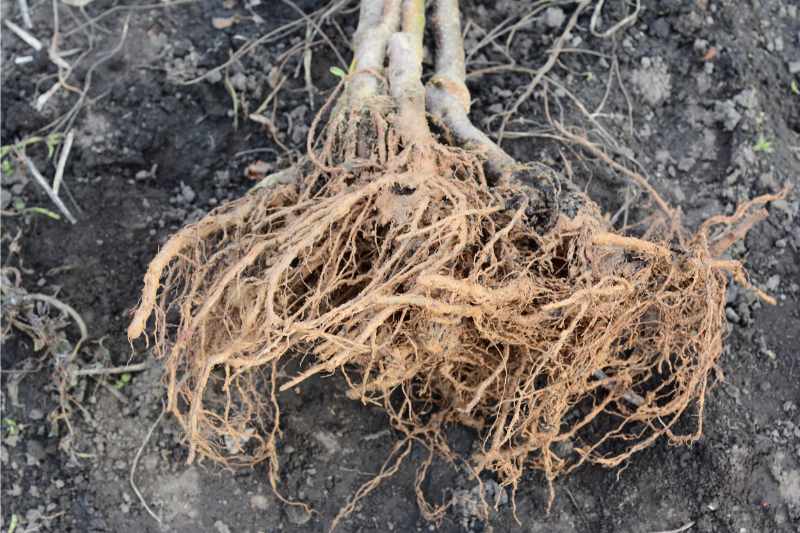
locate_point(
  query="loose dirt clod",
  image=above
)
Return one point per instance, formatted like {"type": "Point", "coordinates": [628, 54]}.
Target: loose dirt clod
{"type": "Point", "coordinates": [448, 284]}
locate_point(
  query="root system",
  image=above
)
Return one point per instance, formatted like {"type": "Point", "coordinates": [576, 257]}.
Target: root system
{"type": "Point", "coordinates": [447, 283]}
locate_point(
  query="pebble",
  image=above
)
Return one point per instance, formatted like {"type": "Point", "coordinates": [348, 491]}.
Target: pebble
{"type": "Point", "coordinates": [35, 449]}
{"type": "Point", "coordinates": [686, 163]}
{"type": "Point", "coordinates": [731, 293]}
{"type": "Point", "coordinates": [554, 17]}
{"type": "Point", "coordinates": [653, 80]}
{"type": "Point", "coordinates": [213, 77]}
{"type": "Point", "coordinates": [747, 99]}
{"type": "Point", "coordinates": [794, 67]}
{"type": "Point", "coordinates": [188, 193]}
{"type": "Point", "coordinates": [773, 282]}
{"type": "Point", "coordinates": [700, 46]}
{"type": "Point", "coordinates": [35, 414]}
{"type": "Point", "coordinates": [221, 527]}
{"type": "Point", "coordinates": [239, 81]}
{"type": "Point", "coordinates": [661, 28]}
{"type": "Point", "coordinates": [726, 113]}
{"type": "Point", "coordinates": [259, 501]}
{"type": "Point", "coordinates": [732, 315]}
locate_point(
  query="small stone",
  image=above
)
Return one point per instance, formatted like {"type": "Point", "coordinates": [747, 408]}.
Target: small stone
{"type": "Point", "coordinates": [732, 315]}
{"type": "Point", "coordinates": [239, 81]}
{"type": "Point", "coordinates": [686, 163]}
{"type": "Point", "coordinates": [188, 193]}
{"type": "Point", "coordinates": [794, 67]}
{"type": "Point", "coordinates": [789, 406]}
{"type": "Point", "coordinates": [703, 83]}
{"type": "Point", "coordinates": [700, 46]}
{"type": "Point", "coordinates": [661, 28]}
{"type": "Point", "coordinates": [221, 527]}
{"type": "Point", "coordinates": [731, 293]}
{"type": "Point", "coordinates": [773, 282]}
{"type": "Point", "coordinates": [35, 449]}
{"type": "Point", "coordinates": [653, 80]}
{"type": "Point", "coordinates": [328, 441]}
{"type": "Point", "coordinates": [554, 17]}
{"type": "Point", "coordinates": [747, 99]}
{"type": "Point", "coordinates": [259, 501]}
{"type": "Point", "coordinates": [726, 113]}
{"type": "Point", "coordinates": [35, 414]}
{"type": "Point", "coordinates": [765, 386]}
{"type": "Point", "coordinates": [213, 76]}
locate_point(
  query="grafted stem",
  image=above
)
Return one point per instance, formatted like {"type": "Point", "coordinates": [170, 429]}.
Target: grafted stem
{"type": "Point", "coordinates": [448, 98]}
{"type": "Point", "coordinates": [450, 67]}
{"type": "Point", "coordinates": [378, 20]}
{"type": "Point", "coordinates": [405, 74]}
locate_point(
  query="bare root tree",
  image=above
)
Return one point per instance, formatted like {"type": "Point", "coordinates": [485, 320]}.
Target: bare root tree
{"type": "Point", "coordinates": [447, 282]}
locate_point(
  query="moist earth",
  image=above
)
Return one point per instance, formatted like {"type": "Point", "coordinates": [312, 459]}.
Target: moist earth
{"type": "Point", "coordinates": [702, 94]}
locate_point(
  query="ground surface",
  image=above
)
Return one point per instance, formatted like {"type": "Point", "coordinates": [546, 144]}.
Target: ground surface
{"type": "Point", "coordinates": [706, 105]}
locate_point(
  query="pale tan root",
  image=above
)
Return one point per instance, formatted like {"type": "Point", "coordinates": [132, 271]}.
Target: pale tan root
{"type": "Point", "coordinates": [438, 298]}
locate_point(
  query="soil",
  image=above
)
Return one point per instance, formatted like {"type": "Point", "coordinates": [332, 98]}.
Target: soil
{"type": "Point", "coordinates": [708, 105]}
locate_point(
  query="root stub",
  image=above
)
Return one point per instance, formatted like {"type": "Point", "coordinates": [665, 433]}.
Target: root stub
{"type": "Point", "coordinates": [442, 300]}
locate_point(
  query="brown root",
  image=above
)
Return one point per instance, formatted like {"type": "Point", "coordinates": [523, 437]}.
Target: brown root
{"type": "Point", "coordinates": [426, 287]}
{"type": "Point", "coordinates": [441, 299]}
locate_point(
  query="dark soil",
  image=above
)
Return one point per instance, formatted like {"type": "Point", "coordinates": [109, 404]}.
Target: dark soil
{"type": "Point", "coordinates": [709, 127]}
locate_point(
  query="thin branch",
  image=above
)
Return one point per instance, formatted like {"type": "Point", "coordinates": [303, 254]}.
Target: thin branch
{"type": "Point", "coordinates": [678, 530]}
{"type": "Point", "coordinates": [26, 13]}
{"type": "Point", "coordinates": [555, 51]}
{"type": "Point", "coordinates": [62, 160]}
{"type": "Point", "coordinates": [46, 186]}
{"type": "Point", "coordinates": [135, 462]}
{"type": "Point", "coordinates": [31, 41]}
{"type": "Point", "coordinates": [139, 367]}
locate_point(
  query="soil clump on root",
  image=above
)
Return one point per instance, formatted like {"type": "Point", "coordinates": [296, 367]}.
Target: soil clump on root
{"type": "Point", "coordinates": [448, 283]}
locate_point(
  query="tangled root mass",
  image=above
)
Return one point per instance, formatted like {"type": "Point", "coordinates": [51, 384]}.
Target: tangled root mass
{"type": "Point", "coordinates": [442, 300]}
